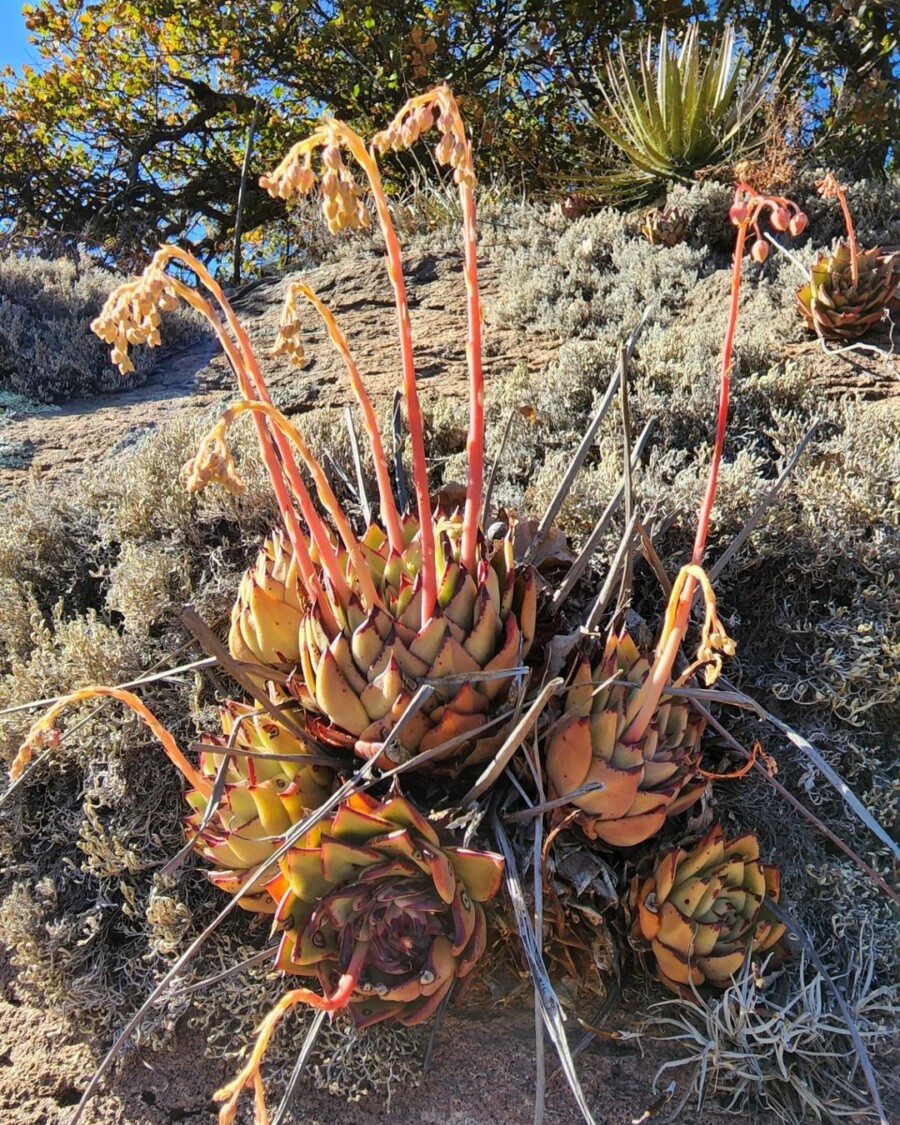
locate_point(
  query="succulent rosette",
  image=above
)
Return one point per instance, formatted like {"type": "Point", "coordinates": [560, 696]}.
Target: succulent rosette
{"type": "Point", "coordinates": [642, 777]}
{"type": "Point", "coordinates": [269, 610]}
{"type": "Point", "coordinates": [840, 306]}
{"type": "Point", "coordinates": [703, 910]}
{"type": "Point", "coordinates": [848, 290]}
{"type": "Point", "coordinates": [264, 795]}
{"type": "Point", "coordinates": [362, 678]}
{"type": "Point", "coordinates": [665, 226]}
{"type": "Point", "coordinates": [386, 915]}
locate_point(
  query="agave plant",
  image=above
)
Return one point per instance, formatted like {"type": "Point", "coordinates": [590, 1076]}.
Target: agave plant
{"type": "Point", "coordinates": [626, 746]}
{"type": "Point", "coordinates": [421, 598]}
{"type": "Point", "coordinates": [848, 290]}
{"type": "Point", "coordinates": [264, 795]}
{"type": "Point", "coordinates": [387, 915]}
{"type": "Point", "coordinates": [686, 110]}
{"type": "Point", "coordinates": [665, 226]}
{"type": "Point", "coordinates": [703, 910]}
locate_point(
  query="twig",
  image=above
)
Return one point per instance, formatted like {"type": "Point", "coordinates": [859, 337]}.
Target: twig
{"type": "Point", "coordinates": [207, 662]}
{"type": "Point", "coordinates": [799, 806]}
{"type": "Point", "coordinates": [305, 1051]}
{"type": "Point", "coordinates": [592, 542]}
{"type": "Point", "coordinates": [489, 490]}
{"type": "Point", "coordinates": [397, 439]}
{"type": "Point", "coordinates": [596, 610]}
{"type": "Point", "coordinates": [849, 797]}
{"type": "Point", "coordinates": [587, 441]}
{"type": "Point", "coordinates": [357, 464]}
{"type": "Point", "coordinates": [548, 1001]}
{"type": "Point", "coordinates": [735, 545]}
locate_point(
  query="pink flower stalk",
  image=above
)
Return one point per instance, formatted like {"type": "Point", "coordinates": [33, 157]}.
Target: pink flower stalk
{"type": "Point", "coordinates": [746, 212]}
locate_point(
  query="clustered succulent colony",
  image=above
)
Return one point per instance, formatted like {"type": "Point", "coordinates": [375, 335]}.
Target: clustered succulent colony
{"type": "Point", "coordinates": [417, 643]}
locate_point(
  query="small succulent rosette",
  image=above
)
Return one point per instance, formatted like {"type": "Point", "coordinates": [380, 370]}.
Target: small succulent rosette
{"type": "Point", "coordinates": [641, 778]}
{"type": "Point", "coordinates": [666, 226]}
{"type": "Point", "coordinates": [840, 306]}
{"type": "Point", "coordinates": [703, 910]}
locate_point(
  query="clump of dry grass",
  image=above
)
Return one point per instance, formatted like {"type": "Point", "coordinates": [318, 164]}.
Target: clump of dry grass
{"type": "Point", "coordinates": [47, 351]}
{"type": "Point", "coordinates": [776, 1039]}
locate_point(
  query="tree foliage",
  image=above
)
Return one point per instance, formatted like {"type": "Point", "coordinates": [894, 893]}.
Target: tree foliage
{"type": "Point", "coordinates": [133, 126]}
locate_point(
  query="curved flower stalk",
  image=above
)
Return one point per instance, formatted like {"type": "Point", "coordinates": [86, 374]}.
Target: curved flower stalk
{"type": "Point", "coordinates": [389, 918]}
{"type": "Point", "coordinates": [265, 793]}
{"type": "Point", "coordinates": [619, 727]}
{"type": "Point", "coordinates": [703, 910]}
{"type": "Point", "coordinates": [848, 290]}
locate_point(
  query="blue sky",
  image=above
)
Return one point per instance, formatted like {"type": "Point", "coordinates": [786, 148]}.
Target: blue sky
{"type": "Point", "coordinates": [14, 46]}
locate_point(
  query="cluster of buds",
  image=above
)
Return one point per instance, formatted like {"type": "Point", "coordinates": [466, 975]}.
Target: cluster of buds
{"type": "Point", "coordinates": [342, 200]}
{"type": "Point", "coordinates": [291, 177]}
{"type": "Point", "coordinates": [748, 208]}
{"type": "Point", "coordinates": [131, 314]}
{"type": "Point", "coordinates": [289, 342]}
{"type": "Point", "coordinates": [452, 150]}
{"type": "Point", "coordinates": [213, 464]}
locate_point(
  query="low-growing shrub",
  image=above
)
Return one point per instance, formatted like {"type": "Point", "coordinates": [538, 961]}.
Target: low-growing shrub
{"type": "Point", "coordinates": [47, 350]}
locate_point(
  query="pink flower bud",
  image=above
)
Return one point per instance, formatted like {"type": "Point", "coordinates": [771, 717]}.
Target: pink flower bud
{"type": "Point", "coordinates": [798, 224]}
{"type": "Point", "coordinates": [780, 218]}
{"type": "Point", "coordinates": [759, 251]}
{"type": "Point", "coordinates": [738, 214]}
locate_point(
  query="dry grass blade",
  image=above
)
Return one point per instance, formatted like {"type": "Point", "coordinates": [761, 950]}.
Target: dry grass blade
{"type": "Point", "coordinates": [763, 506]}
{"type": "Point", "coordinates": [305, 1051]}
{"type": "Point", "coordinates": [591, 543]}
{"type": "Point", "coordinates": [353, 784]}
{"type": "Point", "coordinates": [864, 1061]}
{"type": "Point", "coordinates": [212, 807]}
{"type": "Point", "coordinates": [587, 441]}
{"type": "Point", "coordinates": [596, 611]}
{"type": "Point", "coordinates": [195, 625]}
{"type": "Point", "coordinates": [795, 803]}
{"type": "Point", "coordinates": [551, 1010]}
{"type": "Point", "coordinates": [489, 489]}
{"type": "Point", "coordinates": [397, 440]}
{"type": "Point", "coordinates": [849, 797]}
{"type": "Point", "coordinates": [155, 677]}
{"type": "Point", "coordinates": [226, 974]}
{"type": "Point", "coordinates": [357, 465]}
{"type": "Point", "coordinates": [512, 742]}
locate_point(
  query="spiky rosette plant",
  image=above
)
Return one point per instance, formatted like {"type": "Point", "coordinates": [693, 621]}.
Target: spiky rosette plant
{"type": "Point", "coordinates": [414, 599]}
{"type": "Point", "coordinates": [703, 910]}
{"type": "Point", "coordinates": [383, 911]}
{"type": "Point", "coordinates": [269, 609]}
{"type": "Point", "coordinates": [622, 732]}
{"type": "Point", "coordinates": [665, 226]}
{"type": "Point", "coordinates": [849, 290]}
{"type": "Point", "coordinates": [268, 786]}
